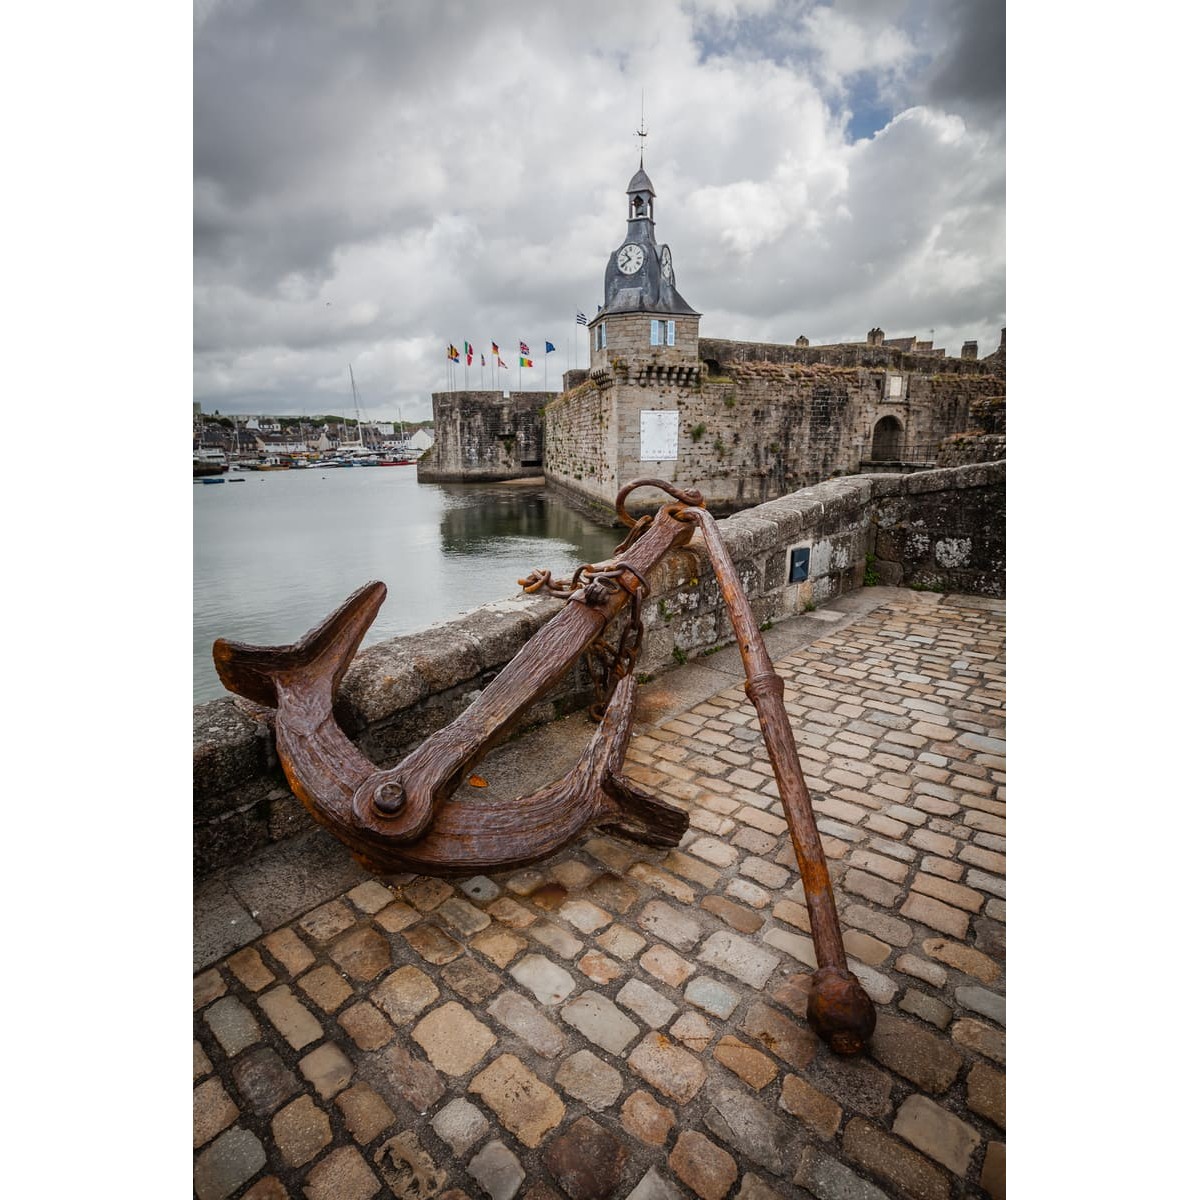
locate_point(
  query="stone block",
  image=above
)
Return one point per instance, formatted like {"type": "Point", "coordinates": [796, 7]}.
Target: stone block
{"type": "Point", "coordinates": [908, 1172]}
{"type": "Point", "coordinates": [460, 1125]}
{"type": "Point", "coordinates": [342, 1175]}
{"type": "Point", "coordinates": [327, 1069]}
{"type": "Point", "coordinates": [936, 1132]}
{"type": "Point", "coordinates": [366, 1112]}
{"type": "Point", "coordinates": [520, 1016]}
{"type": "Point", "coordinates": [586, 1161]}
{"type": "Point", "coordinates": [707, 1169]}
{"type": "Point", "coordinates": [546, 980]}
{"type": "Point", "coordinates": [301, 1131]}
{"type": "Point", "coordinates": [236, 1156]}
{"type": "Point", "coordinates": [525, 1106]}
{"type": "Point", "coordinates": [453, 1040]}
{"type": "Point", "coordinates": [668, 1068]}
{"type": "Point", "coordinates": [752, 1130]}
{"type": "Point", "coordinates": [924, 1058]}
{"type": "Point", "coordinates": [738, 957]}
{"type": "Point", "coordinates": [497, 1170]}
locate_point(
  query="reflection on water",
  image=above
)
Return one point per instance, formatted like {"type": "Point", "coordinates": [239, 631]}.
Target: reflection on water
{"type": "Point", "coordinates": [275, 554]}
{"type": "Point", "coordinates": [474, 522]}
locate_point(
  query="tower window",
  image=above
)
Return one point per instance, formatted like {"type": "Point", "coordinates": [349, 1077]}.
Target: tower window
{"type": "Point", "coordinates": [601, 339]}
{"type": "Point", "coordinates": [662, 333]}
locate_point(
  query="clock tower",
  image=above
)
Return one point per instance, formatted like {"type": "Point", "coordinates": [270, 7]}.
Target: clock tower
{"type": "Point", "coordinates": [646, 328]}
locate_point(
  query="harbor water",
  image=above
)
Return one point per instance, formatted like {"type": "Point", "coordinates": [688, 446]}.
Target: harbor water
{"type": "Point", "coordinates": [274, 552]}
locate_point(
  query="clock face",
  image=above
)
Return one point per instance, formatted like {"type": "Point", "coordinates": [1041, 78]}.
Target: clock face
{"type": "Point", "coordinates": [668, 271]}
{"type": "Point", "coordinates": [630, 258]}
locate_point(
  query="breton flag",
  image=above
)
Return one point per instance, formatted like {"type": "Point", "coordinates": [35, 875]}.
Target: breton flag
{"type": "Point", "coordinates": [470, 352]}
{"type": "Point", "coordinates": [549, 347]}
{"type": "Point", "coordinates": [524, 348]}
{"type": "Point", "coordinates": [526, 362]}
{"type": "Point", "coordinates": [495, 350]}
{"type": "Point", "coordinates": [580, 319]}
{"type": "Point", "coordinates": [452, 353]}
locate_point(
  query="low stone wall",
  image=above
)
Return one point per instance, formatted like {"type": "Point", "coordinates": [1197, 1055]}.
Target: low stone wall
{"type": "Point", "coordinates": [941, 530]}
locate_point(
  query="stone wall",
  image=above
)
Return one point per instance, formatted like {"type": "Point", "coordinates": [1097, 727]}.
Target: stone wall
{"type": "Point", "coordinates": [763, 421]}
{"type": "Point", "coordinates": [483, 436]}
{"type": "Point", "coordinates": [941, 530]}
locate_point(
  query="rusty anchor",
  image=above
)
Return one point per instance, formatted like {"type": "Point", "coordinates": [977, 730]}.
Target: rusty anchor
{"type": "Point", "coordinates": [406, 817]}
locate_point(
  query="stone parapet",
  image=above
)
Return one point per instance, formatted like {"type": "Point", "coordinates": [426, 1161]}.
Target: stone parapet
{"type": "Point", "coordinates": [939, 530]}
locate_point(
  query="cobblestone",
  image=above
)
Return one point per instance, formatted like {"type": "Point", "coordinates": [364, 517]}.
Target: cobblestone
{"type": "Point", "coordinates": [646, 1119]}
{"type": "Point", "coordinates": [497, 1170]}
{"type": "Point", "coordinates": [586, 1161]}
{"type": "Point", "coordinates": [815, 1110]}
{"type": "Point", "coordinates": [707, 1169]}
{"type": "Point", "coordinates": [600, 1021]}
{"type": "Point", "coordinates": [527, 1108]}
{"type": "Point", "coordinates": [366, 1113]}
{"type": "Point", "coordinates": [249, 967]}
{"type": "Point", "coordinates": [405, 993]}
{"type": "Point", "coordinates": [460, 1125]}
{"type": "Point", "coordinates": [546, 980]}
{"type": "Point", "coordinates": [589, 1079]}
{"type": "Point", "coordinates": [301, 1131]}
{"type": "Point", "coordinates": [233, 1158]}
{"type": "Point", "coordinates": [212, 1111]}
{"type": "Point", "coordinates": [520, 1016]}
{"type": "Point", "coordinates": [232, 1024]}
{"type": "Point", "coordinates": [908, 1172]}
{"type": "Point", "coordinates": [453, 1040]}
{"type": "Point", "coordinates": [343, 1175]}
{"type": "Point", "coordinates": [286, 947]}
{"type": "Point", "coordinates": [327, 1069]}
{"type": "Point", "coordinates": [434, 1061]}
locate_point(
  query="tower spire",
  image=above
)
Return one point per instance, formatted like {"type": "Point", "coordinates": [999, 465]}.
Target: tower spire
{"type": "Point", "coordinates": [641, 132]}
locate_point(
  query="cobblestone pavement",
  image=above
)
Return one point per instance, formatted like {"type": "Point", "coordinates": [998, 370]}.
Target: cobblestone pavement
{"type": "Point", "coordinates": [617, 1022]}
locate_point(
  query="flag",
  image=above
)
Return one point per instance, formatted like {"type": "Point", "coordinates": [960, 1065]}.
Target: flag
{"type": "Point", "coordinates": [470, 352]}
{"type": "Point", "coordinates": [501, 362]}
{"type": "Point", "coordinates": [495, 350]}
{"type": "Point", "coordinates": [526, 362]}
{"type": "Point", "coordinates": [580, 319]}
{"type": "Point", "coordinates": [452, 353]}
{"type": "Point", "coordinates": [524, 348]}
{"type": "Point", "coordinates": [549, 347]}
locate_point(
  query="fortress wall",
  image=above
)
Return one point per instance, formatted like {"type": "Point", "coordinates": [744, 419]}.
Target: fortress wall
{"type": "Point", "coordinates": [579, 443]}
{"type": "Point", "coordinates": [481, 436]}
{"type": "Point", "coordinates": [941, 530]}
{"type": "Point", "coordinates": [850, 354]}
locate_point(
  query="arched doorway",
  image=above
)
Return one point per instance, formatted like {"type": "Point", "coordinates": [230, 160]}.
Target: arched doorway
{"type": "Point", "coordinates": [887, 445]}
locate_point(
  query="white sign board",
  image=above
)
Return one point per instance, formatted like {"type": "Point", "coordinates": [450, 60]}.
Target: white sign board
{"type": "Point", "coordinates": [660, 434]}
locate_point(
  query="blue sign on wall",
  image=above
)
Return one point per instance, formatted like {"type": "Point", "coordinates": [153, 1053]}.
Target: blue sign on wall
{"type": "Point", "coordinates": [799, 565]}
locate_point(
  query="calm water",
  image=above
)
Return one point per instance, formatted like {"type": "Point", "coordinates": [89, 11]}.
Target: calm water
{"type": "Point", "coordinates": [273, 556]}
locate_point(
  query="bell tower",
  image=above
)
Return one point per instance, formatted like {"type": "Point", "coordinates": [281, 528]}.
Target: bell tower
{"type": "Point", "coordinates": [645, 325]}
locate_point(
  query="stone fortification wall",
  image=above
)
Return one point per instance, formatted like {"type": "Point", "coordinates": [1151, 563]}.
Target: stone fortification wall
{"type": "Point", "coordinates": [482, 436]}
{"type": "Point", "coordinates": [768, 424]}
{"type": "Point", "coordinates": [942, 530]}
{"type": "Point", "coordinates": [580, 444]}
{"type": "Point", "coordinates": [723, 352]}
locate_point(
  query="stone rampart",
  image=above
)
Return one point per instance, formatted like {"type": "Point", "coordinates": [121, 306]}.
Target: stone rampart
{"type": "Point", "coordinates": [482, 436]}
{"type": "Point", "coordinates": [941, 530]}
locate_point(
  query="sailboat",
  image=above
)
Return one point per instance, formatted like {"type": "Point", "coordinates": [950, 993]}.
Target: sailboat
{"type": "Point", "coordinates": [356, 452]}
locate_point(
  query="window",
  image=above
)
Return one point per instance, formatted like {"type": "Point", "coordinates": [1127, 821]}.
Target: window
{"type": "Point", "coordinates": [601, 339]}
{"type": "Point", "coordinates": [662, 333]}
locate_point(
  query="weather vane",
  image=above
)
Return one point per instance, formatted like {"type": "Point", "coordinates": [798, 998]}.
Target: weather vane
{"type": "Point", "coordinates": [641, 132]}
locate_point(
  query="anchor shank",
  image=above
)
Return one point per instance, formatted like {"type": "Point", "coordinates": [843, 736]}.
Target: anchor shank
{"type": "Point", "coordinates": [437, 766]}
{"type": "Point", "coordinates": [848, 1027]}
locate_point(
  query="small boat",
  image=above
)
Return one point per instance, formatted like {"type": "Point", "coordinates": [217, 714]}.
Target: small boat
{"type": "Point", "coordinates": [207, 479]}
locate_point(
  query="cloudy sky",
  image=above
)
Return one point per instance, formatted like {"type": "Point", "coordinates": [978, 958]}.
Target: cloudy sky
{"type": "Point", "coordinates": [374, 179]}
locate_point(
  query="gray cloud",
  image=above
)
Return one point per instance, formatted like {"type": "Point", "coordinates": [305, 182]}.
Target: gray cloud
{"type": "Point", "coordinates": [373, 180]}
